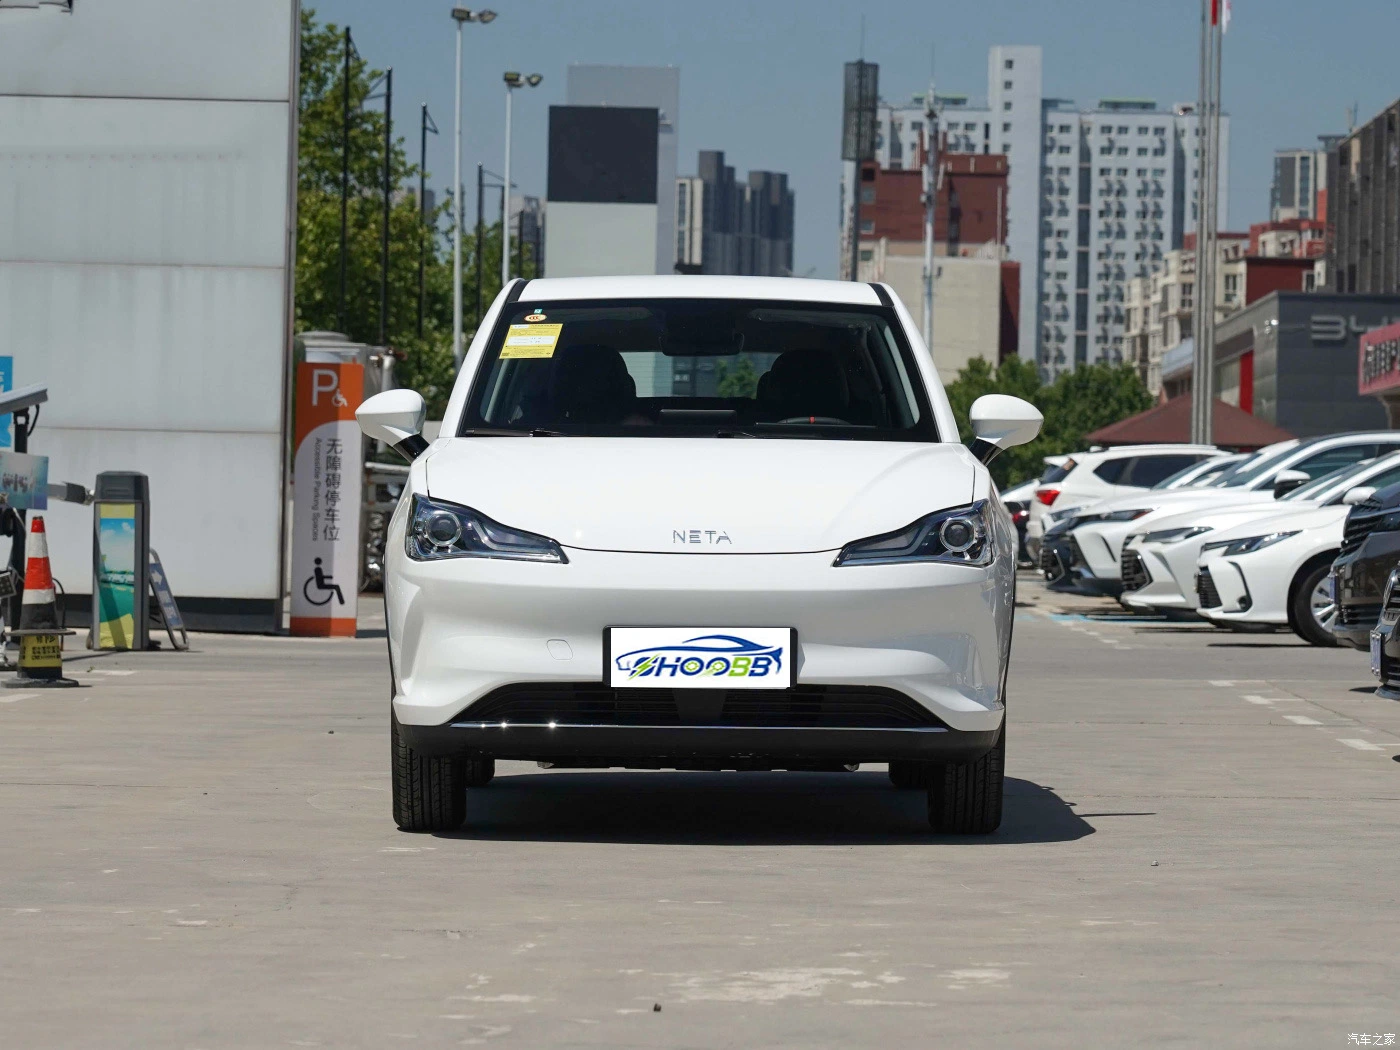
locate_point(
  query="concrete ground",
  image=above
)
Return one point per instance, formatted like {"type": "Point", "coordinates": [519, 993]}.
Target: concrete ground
{"type": "Point", "coordinates": [1200, 849]}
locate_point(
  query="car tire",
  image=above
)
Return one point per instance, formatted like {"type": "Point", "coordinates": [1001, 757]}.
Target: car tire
{"type": "Point", "coordinates": [429, 792]}
{"type": "Point", "coordinates": [478, 772]}
{"type": "Point", "coordinates": [964, 798]}
{"type": "Point", "coordinates": [907, 775]}
{"type": "Point", "coordinates": [1301, 613]}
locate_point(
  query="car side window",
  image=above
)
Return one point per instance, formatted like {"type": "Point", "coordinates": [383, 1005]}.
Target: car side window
{"type": "Point", "coordinates": [1148, 470]}
{"type": "Point", "coordinates": [1330, 459]}
{"type": "Point", "coordinates": [1111, 470]}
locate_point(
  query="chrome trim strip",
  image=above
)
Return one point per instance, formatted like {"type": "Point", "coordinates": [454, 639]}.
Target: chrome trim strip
{"type": "Point", "coordinates": [571, 725]}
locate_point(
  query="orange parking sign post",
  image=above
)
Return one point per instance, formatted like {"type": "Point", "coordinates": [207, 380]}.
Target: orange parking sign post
{"type": "Point", "coordinates": [327, 484]}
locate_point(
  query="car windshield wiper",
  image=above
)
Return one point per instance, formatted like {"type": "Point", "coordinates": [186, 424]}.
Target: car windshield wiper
{"type": "Point", "coordinates": [731, 433]}
{"type": "Point", "coordinates": [504, 432]}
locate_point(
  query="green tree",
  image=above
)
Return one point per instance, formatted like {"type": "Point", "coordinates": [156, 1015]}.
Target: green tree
{"type": "Point", "coordinates": [427, 362]}
{"type": "Point", "coordinates": [1075, 404]}
{"type": "Point", "coordinates": [738, 380]}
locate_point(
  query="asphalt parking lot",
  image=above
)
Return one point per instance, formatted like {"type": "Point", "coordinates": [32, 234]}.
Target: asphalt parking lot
{"type": "Point", "coordinates": [1199, 849]}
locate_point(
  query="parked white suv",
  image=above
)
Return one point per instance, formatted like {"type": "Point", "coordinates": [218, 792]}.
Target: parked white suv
{"type": "Point", "coordinates": [1087, 477]}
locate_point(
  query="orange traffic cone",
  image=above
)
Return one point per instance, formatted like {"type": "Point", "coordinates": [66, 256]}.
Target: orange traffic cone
{"type": "Point", "coordinates": [40, 637]}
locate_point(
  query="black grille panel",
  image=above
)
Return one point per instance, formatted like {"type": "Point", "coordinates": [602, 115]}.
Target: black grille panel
{"type": "Point", "coordinates": [1361, 614]}
{"type": "Point", "coordinates": [1206, 593]}
{"type": "Point", "coordinates": [1076, 556]}
{"type": "Point", "coordinates": [1135, 574]}
{"type": "Point", "coordinates": [1361, 522]}
{"type": "Point", "coordinates": [849, 707]}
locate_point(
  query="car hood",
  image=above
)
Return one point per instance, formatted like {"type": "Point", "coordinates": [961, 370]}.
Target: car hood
{"type": "Point", "coordinates": [1213, 517]}
{"type": "Point", "coordinates": [1330, 518]}
{"type": "Point", "coordinates": [1176, 501]}
{"type": "Point", "coordinates": [701, 495]}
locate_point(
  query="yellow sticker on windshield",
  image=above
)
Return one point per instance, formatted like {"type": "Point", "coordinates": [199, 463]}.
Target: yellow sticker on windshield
{"type": "Point", "coordinates": [531, 340]}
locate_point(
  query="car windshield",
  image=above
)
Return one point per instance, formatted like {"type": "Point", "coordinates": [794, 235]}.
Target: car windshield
{"type": "Point", "coordinates": [1058, 471]}
{"type": "Point", "coordinates": [1196, 471]}
{"type": "Point", "coordinates": [699, 367]}
{"type": "Point", "coordinates": [1251, 469]}
{"type": "Point", "coordinates": [1316, 488]}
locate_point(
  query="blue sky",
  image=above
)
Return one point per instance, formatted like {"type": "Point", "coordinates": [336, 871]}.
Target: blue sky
{"type": "Point", "coordinates": [761, 79]}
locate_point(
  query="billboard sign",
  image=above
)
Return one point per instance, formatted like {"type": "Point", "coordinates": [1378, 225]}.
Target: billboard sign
{"type": "Point", "coordinates": [1379, 365]}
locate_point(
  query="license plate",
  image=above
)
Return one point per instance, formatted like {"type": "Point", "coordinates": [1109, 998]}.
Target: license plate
{"type": "Point", "coordinates": [1376, 644]}
{"type": "Point", "coordinates": [699, 657]}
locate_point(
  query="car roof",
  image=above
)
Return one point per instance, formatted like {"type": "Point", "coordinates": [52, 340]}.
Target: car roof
{"type": "Point", "coordinates": [696, 286]}
{"type": "Point", "coordinates": [1137, 450]}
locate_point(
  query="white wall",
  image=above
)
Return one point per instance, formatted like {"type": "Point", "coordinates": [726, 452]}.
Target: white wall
{"type": "Point", "coordinates": [600, 240]}
{"type": "Point", "coordinates": [145, 175]}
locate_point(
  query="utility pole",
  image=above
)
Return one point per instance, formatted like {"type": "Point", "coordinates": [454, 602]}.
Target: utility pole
{"type": "Point", "coordinates": [384, 233]}
{"type": "Point", "coordinates": [480, 234]}
{"type": "Point", "coordinates": [930, 203]}
{"type": "Point", "coordinates": [425, 125]}
{"type": "Point", "coordinates": [1207, 221]}
{"type": "Point", "coordinates": [344, 175]}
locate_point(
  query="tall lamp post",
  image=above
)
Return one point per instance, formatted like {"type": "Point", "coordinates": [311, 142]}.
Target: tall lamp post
{"type": "Point", "coordinates": [460, 15]}
{"type": "Point", "coordinates": [426, 126]}
{"type": "Point", "coordinates": [513, 81]}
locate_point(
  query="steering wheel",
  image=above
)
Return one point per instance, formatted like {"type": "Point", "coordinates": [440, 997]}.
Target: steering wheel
{"type": "Point", "coordinates": [816, 419]}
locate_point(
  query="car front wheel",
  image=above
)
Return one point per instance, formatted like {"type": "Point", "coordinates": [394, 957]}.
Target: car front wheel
{"type": "Point", "coordinates": [429, 792]}
{"type": "Point", "coordinates": [1314, 606]}
{"type": "Point", "coordinates": [964, 798]}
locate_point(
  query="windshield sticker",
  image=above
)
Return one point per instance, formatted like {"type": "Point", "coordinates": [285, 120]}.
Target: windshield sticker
{"type": "Point", "coordinates": [534, 317]}
{"type": "Point", "coordinates": [531, 341]}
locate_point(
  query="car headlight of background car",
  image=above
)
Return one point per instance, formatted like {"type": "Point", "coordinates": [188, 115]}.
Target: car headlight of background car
{"type": "Point", "coordinates": [1247, 545]}
{"type": "Point", "coordinates": [958, 536]}
{"type": "Point", "coordinates": [440, 530]}
{"type": "Point", "coordinates": [1175, 535]}
{"type": "Point", "coordinates": [1122, 515]}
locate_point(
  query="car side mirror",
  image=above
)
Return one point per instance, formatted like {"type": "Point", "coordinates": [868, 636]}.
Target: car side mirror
{"type": "Point", "coordinates": [1000, 421]}
{"type": "Point", "coordinates": [1360, 494]}
{"type": "Point", "coordinates": [395, 417]}
{"type": "Point", "coordinates": [1285, 481]}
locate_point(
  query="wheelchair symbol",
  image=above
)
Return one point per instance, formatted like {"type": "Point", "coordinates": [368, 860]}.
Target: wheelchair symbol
{"type": "Point", "coordinates": [325, 587]}
{"type": "Point", "coordinates": [339, 400]}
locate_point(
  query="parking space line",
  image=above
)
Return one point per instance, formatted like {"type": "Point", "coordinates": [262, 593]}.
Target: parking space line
{"type": "Point", "coordinates": [10, 698]}
{"type": "Point", "coordinates": [1360, 745]}
{"type": "Point", "coordinates": [1302, 720]}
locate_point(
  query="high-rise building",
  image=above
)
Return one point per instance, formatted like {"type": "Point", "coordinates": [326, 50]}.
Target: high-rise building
{"type": "Point", "coordinates": [1363, 213]}
{"type": "Point", "coordinates": [1095, 196]}
{"type": "Point", "coordinates": [728, 227]}
{"type": "Point", "coordinates": [1299, 187]}
{"type": "Point", "coordinates": [612, 172]}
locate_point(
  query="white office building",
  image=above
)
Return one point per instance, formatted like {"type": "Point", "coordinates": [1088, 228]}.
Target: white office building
{"type": "Point", "coordinates": [1095, 196]}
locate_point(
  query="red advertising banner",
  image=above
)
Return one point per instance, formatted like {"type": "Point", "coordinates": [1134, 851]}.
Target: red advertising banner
{"type": "Point", "coordinates": [1378, 367]}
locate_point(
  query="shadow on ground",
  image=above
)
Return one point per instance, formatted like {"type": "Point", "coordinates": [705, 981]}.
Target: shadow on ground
{"type": "Point", "coordinates": [740, 809]}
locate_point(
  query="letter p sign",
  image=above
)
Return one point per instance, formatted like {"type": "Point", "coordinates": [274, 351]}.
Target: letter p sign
{"type": "Point", "coordinates": [323, 381]}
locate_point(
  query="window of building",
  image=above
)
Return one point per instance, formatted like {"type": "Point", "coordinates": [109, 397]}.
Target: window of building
{"type": "Point", "coordinates": [1006, 85]}
{"type": "Point", "coordinates": [680, 243]}
{"type": "Point", "coordinates": [1064, 149]}
{"type": "Point", "coordinates": [1006, 106]}
{"type": "Point", "coordinates": [969, 127]}
{"type": "Point", "coordinates": [1142, 151]}
{"type": "Point", "coordinates": [1122, 173]}
{"type": "Point", "coordinates": [1065, 129]}
{"type": "Point", "coordinates": [1064, 171]}
{"type": "Point", "coordinates": [1105, 130]}
{"type": "Point", "coordinates": [1006, 127]}
{"type": "Point", "coordinates": [867, 225]}
{"type": "Point", "coordinates": [1105, 172]}
{"type": "Point", "coordinates": [866, 254]}
{"type": "Point", "coordinates": [1006, 147]}
{"type": "Point", "coordinates": [867, 194]}
{"type": "Point", "coordinates": [1010, 63]}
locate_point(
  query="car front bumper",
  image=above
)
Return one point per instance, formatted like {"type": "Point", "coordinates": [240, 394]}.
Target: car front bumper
{"type": "Point", "coordinates": [460, 629]}
{"type": "Point", "coordinates": [1359, 578]}
{"type": "Point", "coordinates": [1164, 590]}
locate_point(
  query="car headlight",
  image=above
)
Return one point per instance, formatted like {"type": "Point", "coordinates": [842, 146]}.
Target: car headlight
{"type": "Point", "coordinates": [439, 530]}
{"type": "Point", "coordinates": [958, 536]}
{"type": "Point", "coordinates": [1175, 535]}
{"type": "Point", "coordinates": [1248, 545]}
{"type": "Point", "coordinates": [1123, 515]}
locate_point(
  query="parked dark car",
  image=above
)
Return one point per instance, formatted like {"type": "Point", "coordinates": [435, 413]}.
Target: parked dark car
{"type": "Point", "coordinates": [1385, 640]}
{"type": "Point", "coordinates": [1370, 550]}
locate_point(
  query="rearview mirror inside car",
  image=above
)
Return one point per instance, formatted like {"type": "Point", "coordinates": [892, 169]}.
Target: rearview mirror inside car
{"type": "Point", "coordinates": [1285, 481]}
{"type": "Point", "coordinates": [1360, 494]}
{"type": "Point", "coordinates": [395, 417]}
{"type": "Point", "coordinates": [1000, 421]}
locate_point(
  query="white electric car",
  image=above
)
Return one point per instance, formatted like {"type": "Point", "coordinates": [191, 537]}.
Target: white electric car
{"type": "Point", "coordinates": [699, 523]}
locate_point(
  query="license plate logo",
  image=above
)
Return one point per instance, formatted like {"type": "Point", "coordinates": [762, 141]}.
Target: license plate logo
{"type": "Point", "coordinates": [700, 658]}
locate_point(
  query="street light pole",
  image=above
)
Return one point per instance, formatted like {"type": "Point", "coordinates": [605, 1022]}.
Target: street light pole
{"type": "Point", "coordinates": [344, 176]}
{"type": "Point", "coordinates": [460, 15]}
{"type": "Point", "coordinates": [384, 237]}
{"type": "Point", "coordinates": [425, 125]}
{"type": "Point", "coordinates": [512, 80]}
{"type": "Point", "coordinates": [930, 203]}
{"type": "Point", "coordinates": [505, 213]}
